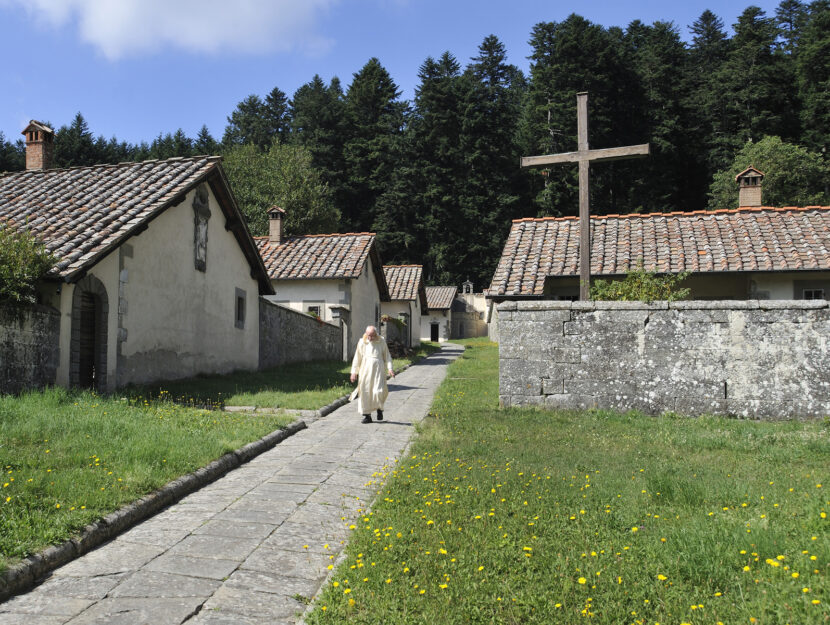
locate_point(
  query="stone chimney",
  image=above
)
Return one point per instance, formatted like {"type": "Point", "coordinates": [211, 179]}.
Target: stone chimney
{"type": "Point", "coordinates": [39, 145]}
{"type": "Point", "coordinates": [749, 187]}
{"type": "Point", "coordinates": [276, 215]}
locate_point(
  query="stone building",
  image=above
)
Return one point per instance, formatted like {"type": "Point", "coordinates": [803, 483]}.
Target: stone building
{"type": "Point", "coordinates": [157, 276]}
{"type": "Point", "coordinates": [469, 313]}
{"type": "Point", "coordinates": [436, 319]}
{"type": "Point", "coordinates": [407, 301]}
{"type": "Point", "coordinates": [336, 277]}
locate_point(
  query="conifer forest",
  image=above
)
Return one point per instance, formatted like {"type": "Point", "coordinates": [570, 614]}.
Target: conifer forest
{"type": "Point", "coordinates": [438, 177]}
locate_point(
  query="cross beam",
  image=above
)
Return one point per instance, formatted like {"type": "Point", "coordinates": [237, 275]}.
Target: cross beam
{"type": "Point", "coordinates": [584, 156]}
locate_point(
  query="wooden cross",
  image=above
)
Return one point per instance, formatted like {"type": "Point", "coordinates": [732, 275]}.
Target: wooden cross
{"type": "Point", "coordinates": [584, 156]}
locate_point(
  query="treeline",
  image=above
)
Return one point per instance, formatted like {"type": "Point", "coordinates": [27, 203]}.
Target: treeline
{"type": "Point", "coordinates": [438, 177]}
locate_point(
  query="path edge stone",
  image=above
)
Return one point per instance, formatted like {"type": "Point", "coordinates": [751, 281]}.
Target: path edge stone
{"type": "Point", "coordinates": [27, 573]}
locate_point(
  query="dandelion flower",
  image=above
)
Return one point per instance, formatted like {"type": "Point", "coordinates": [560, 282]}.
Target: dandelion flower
{"type": "Point", "coordinates": [582, 580]}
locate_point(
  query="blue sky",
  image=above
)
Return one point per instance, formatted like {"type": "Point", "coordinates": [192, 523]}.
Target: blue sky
{"type": "Point", "coordinates": [135, 68]}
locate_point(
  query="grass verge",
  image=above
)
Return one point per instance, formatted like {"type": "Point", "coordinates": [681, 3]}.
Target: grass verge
{"type": "Point", "coordinates": [525, 516]}
{"type": "Point", "coordinates": [300, 386]}
{"type": "Point", "coordinates": [69, 458]}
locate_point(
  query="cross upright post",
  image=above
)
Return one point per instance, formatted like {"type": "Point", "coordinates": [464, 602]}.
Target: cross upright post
{"type": "Point", "coordinates": [584, 155]}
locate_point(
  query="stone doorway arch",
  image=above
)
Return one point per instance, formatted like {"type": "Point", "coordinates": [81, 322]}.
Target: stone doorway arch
{"type": "Point", "coordinates": [88, 340]}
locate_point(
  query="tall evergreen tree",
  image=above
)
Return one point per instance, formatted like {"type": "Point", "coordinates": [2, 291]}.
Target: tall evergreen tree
{"type": "Point", "coordinates": [790, 17]}
{"type": "Point", "coordinates": [205, 143]}
{"type": "Point", "coordinates": [813, 76]}
{"type": "Point", "coordinates": [756, 81]}
{"type": "Point", "coordinates": [569, 57]}
{"type": "Point", "coordinates": [12, 155]}
{"type": "Point", "coordinates": [251, 122]}
{"type": "Point", "coordinates": [375, 119]}
{"type": "Point", "coordinates": [492, 184]}
{"type": "Point", "coordinates": [706, 114]}
{"type": "Point", "coordinates": [660, 60]}
{"type": "Point", "coordinates": [74, 145]}
{"type": "Point", "coordinates": [318, 124]}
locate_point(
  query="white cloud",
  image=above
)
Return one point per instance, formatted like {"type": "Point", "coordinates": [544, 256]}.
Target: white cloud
{"type": "Point", "coordinates": [120, 28]}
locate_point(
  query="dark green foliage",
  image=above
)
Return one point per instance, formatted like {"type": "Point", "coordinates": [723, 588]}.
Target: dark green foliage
{"type": "Point", "coordinates": [23, 261]}
{"type": "Point", "coordinates": [374, 123]}
{"type": "Point", "coordinates": [257, 121]}
{"type": "Point", "coordinates": [12, 155]}
{"type": "Point", "coordinates": [643, 286]}
{"type": "Point", "coordinates": [794, 175]}
{"type": "Point", "coordinates": [813, 75]}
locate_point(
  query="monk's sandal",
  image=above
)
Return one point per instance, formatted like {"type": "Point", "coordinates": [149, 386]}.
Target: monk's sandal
{"type": "Point", "coordinates": [367, 418]}
{"type": "Point", "coordinates": [380, 415]}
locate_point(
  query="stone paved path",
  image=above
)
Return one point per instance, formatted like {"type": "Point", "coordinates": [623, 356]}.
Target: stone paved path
{"type": "Point", "coordinates": [245, 548]}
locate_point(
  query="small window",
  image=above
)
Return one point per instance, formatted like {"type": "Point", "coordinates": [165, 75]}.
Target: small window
{"type": "Point", "coordinates": [813, 293]}
{"type": "Point", "coordinates": [377, 314]}
{"type": "Point", "coordinates": [239, 311]}
{"type": "Point", "coordinates": [314, 311]}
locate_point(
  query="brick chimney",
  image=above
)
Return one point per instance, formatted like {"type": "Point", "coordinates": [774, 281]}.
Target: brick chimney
{"type": "Point", "coordinates": [39, 145]}
{"type": "Point", "coordinates": [749, 187]}
{"type": "Point", "coordinates": [276, 215]}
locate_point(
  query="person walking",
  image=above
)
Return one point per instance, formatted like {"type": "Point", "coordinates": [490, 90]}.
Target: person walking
{"type": "Point", "coordinates": [367, 366]}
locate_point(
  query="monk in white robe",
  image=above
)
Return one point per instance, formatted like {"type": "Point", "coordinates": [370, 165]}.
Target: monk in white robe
{"type": "Point", "coordinates": [368, 363]}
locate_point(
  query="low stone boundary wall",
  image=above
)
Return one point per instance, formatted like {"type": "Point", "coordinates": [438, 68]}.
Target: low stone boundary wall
{"type": "Point", "coordinates": [29, 347]}
{"type": "Point", "coordinates": [286, 335]}
{"type": "Point", "coordinates": [755, 359]}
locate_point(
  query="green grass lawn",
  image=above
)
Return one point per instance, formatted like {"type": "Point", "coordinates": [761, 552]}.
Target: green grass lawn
{"type": "Point", "coordinates": [525, 516]}
{"type": "Point", "coordinates": [301, 386]}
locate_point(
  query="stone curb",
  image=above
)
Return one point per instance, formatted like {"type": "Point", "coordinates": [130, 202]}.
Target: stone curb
{"type": "Point", "coordinates": [24, 575]}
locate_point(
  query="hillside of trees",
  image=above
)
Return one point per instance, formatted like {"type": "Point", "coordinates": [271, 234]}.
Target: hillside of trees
{"type": "Point", "coordinates": [438, 177]}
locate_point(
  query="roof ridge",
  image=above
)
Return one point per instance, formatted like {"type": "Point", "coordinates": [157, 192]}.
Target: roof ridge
{"type": "Point", "coordinates": [331, 234]}
{"type": "Point", "coordinates": [122, 164]}
{"type": "Point", "coordinates": [718, 211]}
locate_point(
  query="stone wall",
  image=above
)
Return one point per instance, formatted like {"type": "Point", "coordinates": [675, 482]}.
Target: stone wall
{"type": "Point", "coordinates": [755, 359]}
{"type": "Point", "coordinates": [286, 335]}
{"type": "Point", "coordinates": [29, 347]}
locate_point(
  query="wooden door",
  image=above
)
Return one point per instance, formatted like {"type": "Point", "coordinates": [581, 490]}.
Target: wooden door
{"type": "Point", "coordinates": [433, 332]}
{"type": "Point", "coordinates": [87, 345]}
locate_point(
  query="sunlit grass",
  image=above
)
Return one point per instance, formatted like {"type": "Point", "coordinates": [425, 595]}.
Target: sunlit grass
{"type": "Point", "coordinates": [524, 516]}
{"type": "Point", "coordinates": [300, 386]}
{"type": "Point", "coordinates": [69, 458]}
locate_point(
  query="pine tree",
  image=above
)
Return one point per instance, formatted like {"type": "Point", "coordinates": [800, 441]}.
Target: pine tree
{"type": "Point", "coordinates": [567, 58]}
{"type": "Point", "coordinates": [318, 124]}
{"type": "Point", "coordinates": [205, 144]}
{"type": "Point", "coordinates": [12, 155]}
{"type": "Point", "coordinates": [74, 145]}
{"type": "Point", "coordinates": [492, 185]}
{"type": "Point", "coordinates": [249, 123]}
{"type": "Point", "coordinates": [375, 119]}
{"type": "Point", "coordinates": [660, 60]}
{"type": "Point", "coordinates": [813, 76]}
{"type": "Point", "coordinates": [790, 17]}
{"type": "Point", "coordinates": [706, 104]}
{"type": "Point", "coordinates": [277, 115]}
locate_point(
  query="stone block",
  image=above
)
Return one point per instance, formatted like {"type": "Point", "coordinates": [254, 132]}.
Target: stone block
{"type": "Point", "coordinates": [568, 401]}
{"type": "Point", "coordinates": [631, 305]}
{"type": "Point", "coordinates": [793, 304]}
{"type": "Point", "coordinates": [714, 305]}
{"type": "Point", "coordinates": [551, 386]}
{"type": "Point", "coordinates": [508, 305]}
{"type": "Point", "coordinates": [522, 377]}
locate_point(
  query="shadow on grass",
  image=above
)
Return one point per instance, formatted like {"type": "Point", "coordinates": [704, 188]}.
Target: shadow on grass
{"type": "Point", "coordinates": [217, 390]}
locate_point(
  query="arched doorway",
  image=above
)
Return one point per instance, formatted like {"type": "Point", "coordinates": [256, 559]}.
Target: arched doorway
{"type": "Point", "coordinates": [88, 343]}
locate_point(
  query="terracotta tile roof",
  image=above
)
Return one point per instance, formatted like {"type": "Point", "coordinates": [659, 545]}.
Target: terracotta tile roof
{"type": "Point", "coordinates": [440, 297]}
{"type": "Point", "coordinates": [82, 213]}
{"type": "Point", "coordinates": [745, 239]}
{"type": "Point", "coordinates": [404, 281]}
{"type": "Point", "coordinates": [322, 257]}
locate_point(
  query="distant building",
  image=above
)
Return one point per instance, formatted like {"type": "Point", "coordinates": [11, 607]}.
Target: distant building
{"type": "Point", "coordinates": [407, 300]}
{"type": "Point", "coordinates": [336, 277]}
{"type": "Point", "coordinates": [469, 313]}
{"type": "Point", "coordinates": [436, 320]}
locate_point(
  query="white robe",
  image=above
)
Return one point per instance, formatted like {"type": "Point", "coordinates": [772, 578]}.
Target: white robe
{"type": "Point", "coordinates": [370, 363]}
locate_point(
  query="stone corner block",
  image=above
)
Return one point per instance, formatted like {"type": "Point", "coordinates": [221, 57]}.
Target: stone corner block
{"type": "Point", "coordinates": [506, 305]}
